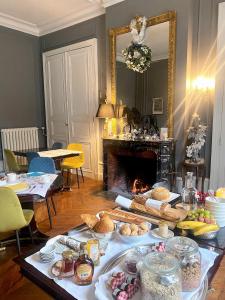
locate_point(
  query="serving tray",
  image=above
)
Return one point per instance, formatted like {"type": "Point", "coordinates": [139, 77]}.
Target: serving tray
{"type": "Point", "coordinates": [114, 261]}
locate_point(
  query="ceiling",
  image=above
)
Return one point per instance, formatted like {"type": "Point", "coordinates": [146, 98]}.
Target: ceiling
{"type": "Point", "coordinates": [156, 37]}
{"type": "Point", "coordinates": [39, 17]}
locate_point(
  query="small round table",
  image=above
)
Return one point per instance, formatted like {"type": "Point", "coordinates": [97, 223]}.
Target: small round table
{"type": "Point", "coordinates": [196, 167]}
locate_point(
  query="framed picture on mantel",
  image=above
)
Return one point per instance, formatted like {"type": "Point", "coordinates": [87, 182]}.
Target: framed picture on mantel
{"type": "Point", "coordinates": [157, 106]}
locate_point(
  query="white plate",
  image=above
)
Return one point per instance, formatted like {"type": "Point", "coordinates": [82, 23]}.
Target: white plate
{"type": "Point", "coordinates": [155, 233]}
{"type": "Point", "coordinates": [173, 196]}
{"type": "Point", "coordinates": [13, 183]}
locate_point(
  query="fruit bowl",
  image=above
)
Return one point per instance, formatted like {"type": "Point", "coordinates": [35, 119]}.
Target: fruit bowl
{"type": "Point", "coordinates": [208, 235]}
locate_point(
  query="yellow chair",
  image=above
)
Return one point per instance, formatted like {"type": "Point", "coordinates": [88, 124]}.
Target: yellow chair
{"type": "Point", "coordinates": [75, 162]}
{"type": "Point", "coordinates": [12, 216]}
{"type": "Point", "coordinates": [12, 163]}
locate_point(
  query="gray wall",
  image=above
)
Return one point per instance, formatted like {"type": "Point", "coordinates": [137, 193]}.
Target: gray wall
{"type": "Point", "coordinates": [93, 28]}
{"type": "Point", "coordinates": [21, 99]}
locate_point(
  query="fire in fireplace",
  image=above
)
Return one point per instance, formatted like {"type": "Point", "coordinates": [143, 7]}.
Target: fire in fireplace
{"type": "Point", "coordinates": [131, 172]}
{"type": "Point", "coordinates": [139, 187]}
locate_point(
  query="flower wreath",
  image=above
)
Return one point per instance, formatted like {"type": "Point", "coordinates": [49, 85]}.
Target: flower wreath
{"type": "Point", "coordinates": [138, 56]}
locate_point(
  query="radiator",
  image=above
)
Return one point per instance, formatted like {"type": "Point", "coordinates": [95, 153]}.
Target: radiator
{"type": "Point", "coordinates": [19, 139]}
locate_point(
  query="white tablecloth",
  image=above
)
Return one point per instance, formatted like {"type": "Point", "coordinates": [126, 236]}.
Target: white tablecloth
{"type": "Point", "coordinates": [36, 187]}
{"type": "Point", "coordinates": [115, 246]}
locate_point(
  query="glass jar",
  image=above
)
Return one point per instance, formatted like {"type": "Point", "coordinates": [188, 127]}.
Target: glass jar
{"type": "Point", "coordinates": [187, 252]}
{"type": "Point", "coordinates": [68, 263]}
{"type": "Point", "coordinates": [160, 277]}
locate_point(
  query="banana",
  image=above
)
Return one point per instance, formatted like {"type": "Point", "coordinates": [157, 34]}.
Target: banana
{"type": "Point", "coordinates": [189, 224]}
{"type": "Point", "coordinates": [205, 228]}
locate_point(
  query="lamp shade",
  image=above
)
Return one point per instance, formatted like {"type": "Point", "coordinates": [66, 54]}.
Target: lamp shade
{"type": "Point", "coordinates": [105, 110]}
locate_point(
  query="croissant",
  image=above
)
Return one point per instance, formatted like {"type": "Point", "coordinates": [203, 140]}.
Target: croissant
{"type": "Point", "coordinates": [90, 220]}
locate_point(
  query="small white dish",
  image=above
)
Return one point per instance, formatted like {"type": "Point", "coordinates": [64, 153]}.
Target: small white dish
{"type": "Point", "coordinates": [155, 233]}
{"type": "Point", "coordinates": [130, 239]}
{"type": "Point", "coordinates": [3, 182]}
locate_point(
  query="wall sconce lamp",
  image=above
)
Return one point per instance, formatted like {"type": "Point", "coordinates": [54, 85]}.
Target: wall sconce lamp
{"type": "Point", "coordinates": [105, 111]}
{"type": "Point", "coordinates": [202, 83]}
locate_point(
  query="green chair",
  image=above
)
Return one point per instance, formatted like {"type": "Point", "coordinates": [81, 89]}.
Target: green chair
{"type": "Point", "coordinates": [12, 163]}
{"type": "Point", "coordinates": [12, 216]}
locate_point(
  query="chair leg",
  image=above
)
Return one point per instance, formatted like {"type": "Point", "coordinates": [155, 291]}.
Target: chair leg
{"type": "Point", "coordinates": [53, 204]}
{"type": "Point", "coordinates": [49, 213]}
{"type": "Point", "coordinates": [78, 184]}
{"type": "Point", "coordinates": [67, 177]}
{"type": "Point", "coordinates": [31, 234]}
{"type": "Point", "coordinates": [18, 242]}
{"type": "Point", "coordinates": [82, 173]}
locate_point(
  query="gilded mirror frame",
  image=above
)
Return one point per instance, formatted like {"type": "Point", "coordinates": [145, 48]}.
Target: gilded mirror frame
{"type": "Point", "coordinates": [170, 17]}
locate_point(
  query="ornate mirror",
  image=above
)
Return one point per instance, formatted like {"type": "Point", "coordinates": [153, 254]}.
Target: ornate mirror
{"type": "Point", "coordinates": [151, 92]}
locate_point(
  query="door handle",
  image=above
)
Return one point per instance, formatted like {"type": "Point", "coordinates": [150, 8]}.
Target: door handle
{"type": "Point", "coordinates": [66, 124]}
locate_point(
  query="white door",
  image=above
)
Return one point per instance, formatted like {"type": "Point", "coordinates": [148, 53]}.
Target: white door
{"type": "Point", "coordinates": [82, 95]}
{"type": "Point", "coordinates": [55, 99]}
{"type": "Point", "coordinates": [71, 97]}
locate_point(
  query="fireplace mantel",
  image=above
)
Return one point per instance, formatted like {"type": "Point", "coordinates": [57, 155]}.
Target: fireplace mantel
{"type": "Point", "coordinates": [161, 152]}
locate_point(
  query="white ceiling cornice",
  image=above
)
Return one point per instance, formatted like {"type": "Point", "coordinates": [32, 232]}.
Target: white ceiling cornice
{"type": "Point", "coordinates": [72, 19]}
{"type": "Point", "coordinates": [18, 24]}
{"type": "Point", "coordinates": [96, 9]}
{"type": "Point", "coordinates": [107, 3]}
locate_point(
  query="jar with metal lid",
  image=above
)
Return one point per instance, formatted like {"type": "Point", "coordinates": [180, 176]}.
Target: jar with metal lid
{"type": "Point", "coordinates": [187, 252]}
{"type": "Point", "coordinates": [69, 257]}
{"type": "Point", "coordinates": [160, 277]}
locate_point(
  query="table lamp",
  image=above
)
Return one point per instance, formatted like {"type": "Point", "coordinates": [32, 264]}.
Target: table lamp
{"type": "Point", "coordinates": [105, 111]}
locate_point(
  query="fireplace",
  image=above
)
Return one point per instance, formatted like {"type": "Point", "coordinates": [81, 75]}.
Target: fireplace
{"type": "Point", "coordinates": [134, 166]}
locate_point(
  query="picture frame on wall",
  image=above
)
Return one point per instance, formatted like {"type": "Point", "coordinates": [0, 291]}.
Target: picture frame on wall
{"type": "Point", "coordinates": [157, 106]}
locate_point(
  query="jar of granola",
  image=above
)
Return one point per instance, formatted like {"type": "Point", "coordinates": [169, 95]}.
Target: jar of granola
{"type": "Point", "coordinates": [187, 252]}
{"type": "Point", "coordinates": [160, 277]}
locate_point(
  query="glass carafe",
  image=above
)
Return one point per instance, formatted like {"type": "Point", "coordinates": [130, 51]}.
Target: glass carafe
{"type": "Point", "coordinates": [189, 192]}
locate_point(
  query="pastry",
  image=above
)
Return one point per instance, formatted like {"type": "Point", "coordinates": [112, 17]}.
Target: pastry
{"type": "Point", "coordinates": [160, 193]}
{"type": "Point", "coordinates": [125, 231]}
{"type": "Point", "coordinates": [105, 225]}
{"type": "Point", "coordinates": [144, 226]}
{"type": "Point", "coordinates": [133, 227]}
{"type": "Point", "coordinates": [90, 220]}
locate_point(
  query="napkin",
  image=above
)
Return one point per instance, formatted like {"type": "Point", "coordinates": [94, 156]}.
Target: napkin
{"type": "Point", "coordinates": [124, 202]}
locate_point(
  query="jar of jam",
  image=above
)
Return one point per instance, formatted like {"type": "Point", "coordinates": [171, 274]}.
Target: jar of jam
{"type": "Point", "coordinates": [68, 263]}
{"type": "Point", "coordinates": [83, 267]}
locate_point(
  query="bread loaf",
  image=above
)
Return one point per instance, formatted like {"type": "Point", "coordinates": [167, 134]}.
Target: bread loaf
{"type": "Point", "coordinates": [160, 193]}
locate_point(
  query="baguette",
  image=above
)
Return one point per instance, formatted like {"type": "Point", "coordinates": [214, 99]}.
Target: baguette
{"type": "Point", "coordinates": [154, 212]}
{"type": "Point", "coordinates": [124, 217]}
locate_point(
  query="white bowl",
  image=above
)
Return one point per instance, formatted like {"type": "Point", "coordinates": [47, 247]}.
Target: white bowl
{"type": "Point", "coordinates": [105, 236]}
{"type": "Point", "coordinates": [220, 202]}
{"type": "Point", "coordinates": [130, 239]}
{"type": "Point", "coordinates": [220, 223]}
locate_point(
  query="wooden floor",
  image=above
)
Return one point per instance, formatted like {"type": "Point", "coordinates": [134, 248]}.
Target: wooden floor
{"type": "Point", "coordinates": [89, 199]}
